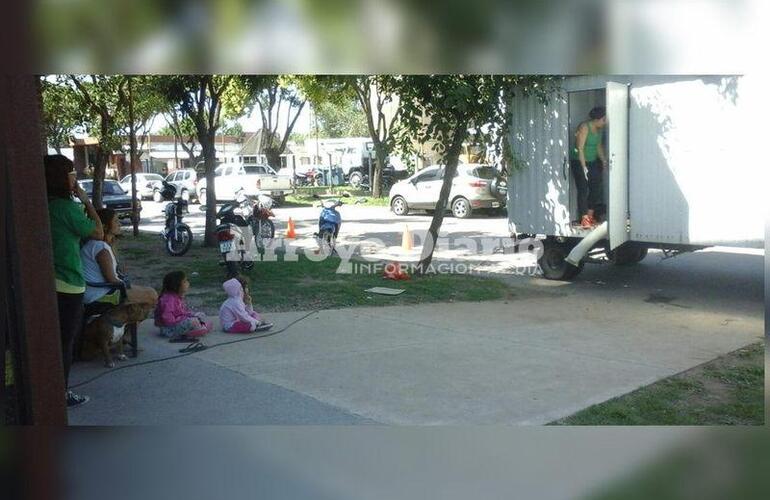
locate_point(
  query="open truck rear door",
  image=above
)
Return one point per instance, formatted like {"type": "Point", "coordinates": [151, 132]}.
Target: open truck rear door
{"type": "Point", "coordinates": [617, 205]}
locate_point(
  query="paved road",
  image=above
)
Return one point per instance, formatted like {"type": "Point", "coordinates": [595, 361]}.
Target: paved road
{"type": "Point", "coordinates": [550, 350]}
{"type": "Point", "coordinates": [378, 233]}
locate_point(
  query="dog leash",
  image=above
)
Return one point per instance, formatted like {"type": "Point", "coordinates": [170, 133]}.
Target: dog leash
{"type": "Point", "coordinates": [188, 353]}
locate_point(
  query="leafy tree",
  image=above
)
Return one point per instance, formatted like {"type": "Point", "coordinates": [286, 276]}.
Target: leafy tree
{"type": "Point", "coordinates": [103, 100]}
{"type": "Point", "coordinates": [375, 97]}
{"type": "Point", "coordinates": [62, 113]}
{"type": "Point", "coordinates": [147, 104]}
{"type": "Point", "coordinates": [298, 137]}
{"type": "Point", "coordinates": [233, 129]}
{"type": "Point", "coordinates": [448, 110]}
{"type": "Point", "coordinates": [272, 95]}
{"type": "Point", "coordinates": [343, 119]}
{"type": "Point", "coordinates": [144, 104]}
{"type": "Point", "coordinates": [182, 127]}
{"type": "Point", "coordinates": [379, 108]}
{"type": "Point", "coordinates": [200, 98]}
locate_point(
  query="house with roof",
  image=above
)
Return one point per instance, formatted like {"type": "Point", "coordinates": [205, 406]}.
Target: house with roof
{"type": "Point", "coordinates": [254, 150]}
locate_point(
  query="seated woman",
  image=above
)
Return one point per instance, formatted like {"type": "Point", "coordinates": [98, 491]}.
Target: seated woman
{"type": "Point", "coordinates": [101, 266]}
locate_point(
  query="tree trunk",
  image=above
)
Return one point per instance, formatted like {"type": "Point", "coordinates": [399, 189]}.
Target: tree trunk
{"type": "Point", "coordinates": [452, 159]}
{"type": "Point", "coordinates": [210, 162]}
{"type": "Point", "coordinates": [273, 159]}
{"type": "Point", "coordinates": [132, 159]}
{"type": "Point", "coordinates": [100, 168]}
{"type": "Point", "coordinates": [376, 179]}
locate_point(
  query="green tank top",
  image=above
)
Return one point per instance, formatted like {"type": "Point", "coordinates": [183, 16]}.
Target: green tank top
{"type": "Point", "coordinates": [590, 150]}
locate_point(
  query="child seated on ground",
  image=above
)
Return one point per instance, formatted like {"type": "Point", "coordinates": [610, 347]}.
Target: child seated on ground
{"type": "Point", "coordinates": [236, 314]}
{"type": "Point", "coordinates": [175, 319]}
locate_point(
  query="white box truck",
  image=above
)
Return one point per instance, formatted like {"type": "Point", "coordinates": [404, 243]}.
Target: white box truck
{"type": "Point", "coordinates": [683, 172]}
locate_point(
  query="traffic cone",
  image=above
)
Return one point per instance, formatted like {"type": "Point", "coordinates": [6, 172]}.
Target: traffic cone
{"type": "Point", "coordinates": [394, 272]}
{"type": "Point", "coordinates": [290, 231]}
{"type": "Point", "coordinates": [391, 271]}
{"type": "Point", "coordinates": [406, 239]}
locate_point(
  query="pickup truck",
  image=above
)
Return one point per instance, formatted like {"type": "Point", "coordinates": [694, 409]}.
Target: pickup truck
{"type": "Point", "coordinates": [253, 179]}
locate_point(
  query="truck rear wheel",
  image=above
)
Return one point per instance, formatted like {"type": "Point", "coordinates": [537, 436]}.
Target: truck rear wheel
{"type": "Point", "coordinates": [552, 261]}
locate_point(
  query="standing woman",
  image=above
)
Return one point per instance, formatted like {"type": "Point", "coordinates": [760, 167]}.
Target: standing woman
{"type": "Point", "coordinates": [587, 162]}
{"type": "Point", "coordinates": [68, 226]}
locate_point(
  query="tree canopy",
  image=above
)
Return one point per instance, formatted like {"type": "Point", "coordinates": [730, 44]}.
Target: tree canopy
{"type": "Point", "coordinates": [448, 110]}
{"type": "Point", "coordinates": [62, 112]}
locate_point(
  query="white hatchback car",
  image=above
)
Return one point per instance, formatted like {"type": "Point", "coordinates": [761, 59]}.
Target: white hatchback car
{"type": "Point", "coordinates": [146, 184]}
{"type": "Point", "coordinates": [475, 186]}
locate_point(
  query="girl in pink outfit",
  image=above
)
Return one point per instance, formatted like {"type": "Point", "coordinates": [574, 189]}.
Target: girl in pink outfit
{"type": "Point", "coordinates": [236, 313]}
{"type": "Point", "coordinates": [175, 319]}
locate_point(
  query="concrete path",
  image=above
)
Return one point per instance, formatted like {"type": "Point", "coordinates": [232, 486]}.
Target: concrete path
{"type": "Point", "coordinates": [544, 354]}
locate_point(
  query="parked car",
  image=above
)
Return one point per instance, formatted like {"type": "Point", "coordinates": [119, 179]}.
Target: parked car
{"type": "Point", "coordinates": [185, 181]}
{"type": "Point", "coordinates": [475, 186]}
{"type": "Point", "coordinates": [146, 184]}
{"type": "Point", "coordinates": [253, 179]}
{"type": "Point", "coordinates": [113, 197]}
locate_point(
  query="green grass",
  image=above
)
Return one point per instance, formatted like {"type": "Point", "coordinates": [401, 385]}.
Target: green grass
{"type": "Point", "coordinates": [300, 285]}
{"type": "Point", "coordinates": [726, 391]}
{"type": "Point", "coordinates": [305, 284]}
{"type": "Point", "coordinates": [309, 196]}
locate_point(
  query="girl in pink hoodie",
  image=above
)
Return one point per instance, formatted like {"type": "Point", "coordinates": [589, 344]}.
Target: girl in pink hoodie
{"type": "Point", "coordinates": [236, 313]}
{"type": "Point", "coordinates": [175, 319]}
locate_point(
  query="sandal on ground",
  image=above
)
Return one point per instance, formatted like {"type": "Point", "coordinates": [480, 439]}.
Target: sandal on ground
{"type": "Point", "coordinates": [181, 340]}
{"type": "Point", "coordinates": [262, 326]}
{"type": "Point", "coordinates": [194, 347]}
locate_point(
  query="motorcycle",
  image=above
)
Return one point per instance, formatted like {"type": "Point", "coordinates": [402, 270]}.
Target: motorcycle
{"type": "Point", "coordinates": [252, 215]}
{"type": "Point", "coordinates": [329, 223]}
{"type": "Point", "coordinates": [177, 235]}
{"type": "Point", "coordinates": [312, 177]}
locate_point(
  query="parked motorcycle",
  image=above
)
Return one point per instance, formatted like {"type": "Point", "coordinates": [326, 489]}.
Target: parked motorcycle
{"type": "Point", "coordinates": [176, 234]}
{"type": "Point", "coordinates": [312, 177]}
{"type": "Point", "coordinates": [329, 223]}
{"type": "Point", "coordinates": [234, 218]}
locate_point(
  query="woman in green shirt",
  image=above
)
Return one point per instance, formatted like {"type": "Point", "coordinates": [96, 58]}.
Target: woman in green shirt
{"type": "Point", "coordinates": [68, 226]}
{"type": "Point", "coordinates": [587, 162]}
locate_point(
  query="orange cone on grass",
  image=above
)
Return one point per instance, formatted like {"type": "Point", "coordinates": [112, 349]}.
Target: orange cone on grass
{"type": "Point", "coordinates": [290, 230]}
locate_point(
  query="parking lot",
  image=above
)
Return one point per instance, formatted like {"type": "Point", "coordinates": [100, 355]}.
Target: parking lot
{"type": "Point", "coordinates": [478, 240]}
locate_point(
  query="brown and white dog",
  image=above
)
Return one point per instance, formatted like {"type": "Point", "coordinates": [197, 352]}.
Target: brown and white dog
{"type": "Point", "coordinates": [107, 330]}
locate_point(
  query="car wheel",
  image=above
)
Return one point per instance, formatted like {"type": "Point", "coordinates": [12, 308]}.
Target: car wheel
{"type": "Point", "coordinates": [202, 196]}
{"type": "Point", "coordinates": [461, 208]}
{"type": "Point", "coordinates": [156, 196]}
{"type": "Point", "coordinates": [399, 206]}
{"type": "Point", "coordinates": [355, 180]}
